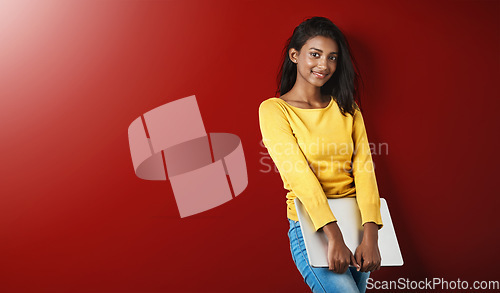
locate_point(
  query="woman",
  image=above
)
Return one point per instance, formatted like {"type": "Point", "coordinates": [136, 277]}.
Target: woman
{"type": "Point", "coordinates": [315, 134]}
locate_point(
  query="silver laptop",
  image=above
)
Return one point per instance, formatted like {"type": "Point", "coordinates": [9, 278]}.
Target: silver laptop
{"type": "Point", "coordinates": [349, 221]}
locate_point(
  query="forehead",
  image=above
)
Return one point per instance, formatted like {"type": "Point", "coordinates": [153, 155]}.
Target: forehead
{"type": "Point", "coordinates": [323, 43]}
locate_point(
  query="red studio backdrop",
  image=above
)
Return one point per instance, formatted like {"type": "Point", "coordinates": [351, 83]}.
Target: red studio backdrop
{"type": "Point", "coordinates": [74, 217]}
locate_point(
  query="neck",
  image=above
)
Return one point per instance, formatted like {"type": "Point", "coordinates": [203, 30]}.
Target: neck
{"type": "Point", "coordinates": [307, 93]}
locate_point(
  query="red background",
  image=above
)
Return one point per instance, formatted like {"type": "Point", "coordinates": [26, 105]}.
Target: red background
{"type": "Point", "coordinates": [75, 74]}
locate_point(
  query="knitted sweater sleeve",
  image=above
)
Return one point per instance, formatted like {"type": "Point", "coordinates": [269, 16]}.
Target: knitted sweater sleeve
{"type": "Point", "coordinates": [367, 194]}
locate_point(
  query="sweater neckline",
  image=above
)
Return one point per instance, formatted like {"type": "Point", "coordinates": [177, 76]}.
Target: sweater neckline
{"type": "Point", "coordinates": [313, 109]}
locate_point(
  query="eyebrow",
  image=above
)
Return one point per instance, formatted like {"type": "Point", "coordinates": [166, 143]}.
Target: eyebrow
{"type": "Point", "coordinates": [322, 50]}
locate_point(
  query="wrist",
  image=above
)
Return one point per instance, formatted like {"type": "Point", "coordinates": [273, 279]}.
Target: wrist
{"type": "Point", "coordinates": [332, 231]}
{"type": "Point", "coordinates": [370, 232]}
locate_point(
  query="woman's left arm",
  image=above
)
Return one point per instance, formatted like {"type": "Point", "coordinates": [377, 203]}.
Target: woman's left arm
{"type": "Point", "coordinates": [367, 254]}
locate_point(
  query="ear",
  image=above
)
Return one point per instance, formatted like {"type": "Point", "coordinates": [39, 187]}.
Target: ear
{"type": "Point", "coordinates": [293, 55]}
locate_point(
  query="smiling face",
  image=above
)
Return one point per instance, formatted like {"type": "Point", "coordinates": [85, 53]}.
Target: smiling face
{"type": "Point", "coordinates": [316, 61]}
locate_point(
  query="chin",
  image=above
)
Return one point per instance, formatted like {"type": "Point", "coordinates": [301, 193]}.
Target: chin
{"type": "Point", "coordinates": [318, 84]}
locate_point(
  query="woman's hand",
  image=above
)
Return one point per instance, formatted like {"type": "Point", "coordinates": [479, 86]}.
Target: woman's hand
{"type": "Point", "coordinates": [367, 253]}
{"type": "Point", "coordinates": [339, 255]}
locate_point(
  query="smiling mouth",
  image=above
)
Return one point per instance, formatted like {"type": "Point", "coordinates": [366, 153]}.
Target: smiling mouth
{"type": "Point", "coordinates": [319, 75]}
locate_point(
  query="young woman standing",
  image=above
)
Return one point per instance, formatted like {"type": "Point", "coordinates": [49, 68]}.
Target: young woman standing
{"type": "Point", "coordinates": [315, 134]}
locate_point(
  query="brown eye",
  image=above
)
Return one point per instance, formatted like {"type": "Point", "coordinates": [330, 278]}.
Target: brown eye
{"type": "Point", "coordinates": [314, 54]}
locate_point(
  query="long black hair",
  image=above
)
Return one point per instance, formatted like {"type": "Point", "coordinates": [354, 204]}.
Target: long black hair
{"type": "Point", "coordinates": [343, 85]}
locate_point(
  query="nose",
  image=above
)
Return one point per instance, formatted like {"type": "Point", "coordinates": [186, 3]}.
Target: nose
{"type": "Point", "coordinates": [322, 63]}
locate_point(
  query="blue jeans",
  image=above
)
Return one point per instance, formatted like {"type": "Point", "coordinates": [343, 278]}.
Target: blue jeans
{"type": "Point", "coordinates": [322, 279]}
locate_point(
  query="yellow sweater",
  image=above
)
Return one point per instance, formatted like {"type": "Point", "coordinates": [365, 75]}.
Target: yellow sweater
{"type": "Point", "coordinates": [320, 154]}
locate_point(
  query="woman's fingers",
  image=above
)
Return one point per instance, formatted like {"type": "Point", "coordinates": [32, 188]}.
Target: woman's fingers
{"type": "Point", "coordinates": [369, 265]}
{"type": "Point", "coordinates": [340, 265]}
{"type": "Point", "coordinates": [373, 262]}
{"type": "Point", "coordinates": [345, 265]}
{"type": "Point", "coordinates": [354, 262]}
{"type": "Point", "coordinates": [359, 260]}
{"type": "Point", "coordinates": [340, 257]}
{"type": "Point", "coordinates": [378, 264]}
{"type": "Point", "coordinates": [337, 266]}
